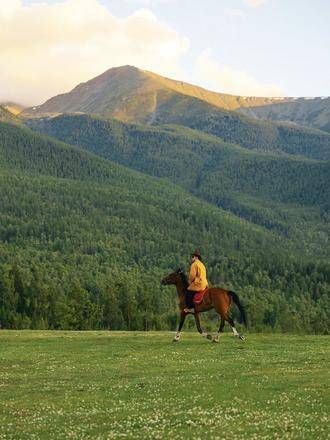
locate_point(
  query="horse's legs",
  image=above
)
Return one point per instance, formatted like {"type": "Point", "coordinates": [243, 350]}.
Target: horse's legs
{"type": "Point", "coordinates": [232, 324]}
{"type": "Point", "coordinates": [221, 303]}
{"type": "Point", "coordinates": [222, 324]}
{"type": "Point", "coordinates": [199, 328]}
{"type": "Point", "coordinates": [198, 325]}
{"type": "Point", "coordinates": [182, 319]}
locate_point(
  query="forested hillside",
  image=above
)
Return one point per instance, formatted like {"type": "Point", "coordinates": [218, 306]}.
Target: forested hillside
{"type": "Point", "coordinates": [189, 156]}
{"type": "Point", "coordinates": [238, 129]}
{"type": "Point", "coordinates": [284, 193]}
{"type": "Point", "coordinates": [85, 242]}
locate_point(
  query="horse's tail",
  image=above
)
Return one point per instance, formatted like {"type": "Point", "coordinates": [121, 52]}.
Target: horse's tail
{"type": "Point", "coordinates": [240, 307]}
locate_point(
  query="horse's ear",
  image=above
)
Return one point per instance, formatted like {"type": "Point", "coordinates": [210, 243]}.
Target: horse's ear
{"type": "Point", "coordinates": [179, 270]}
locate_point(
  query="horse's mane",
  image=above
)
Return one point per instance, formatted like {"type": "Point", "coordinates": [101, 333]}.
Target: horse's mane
{"type": "Point", "coordinates": [184, 278]}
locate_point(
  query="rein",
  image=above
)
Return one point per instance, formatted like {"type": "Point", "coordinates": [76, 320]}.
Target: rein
{"type": "Point", "coordinates": [184, 280]}
{"type": "Point", "coordinates": [181, 287]}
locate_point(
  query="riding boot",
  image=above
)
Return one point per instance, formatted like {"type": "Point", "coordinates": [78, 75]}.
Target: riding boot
{"type": "Point", "coordinates": [190, 306]}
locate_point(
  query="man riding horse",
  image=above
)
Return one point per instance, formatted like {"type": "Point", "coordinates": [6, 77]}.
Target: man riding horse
{"type": "Point", "coordinates": [197, 280]}
{"type": "Point", "coordinates": [210, 298]}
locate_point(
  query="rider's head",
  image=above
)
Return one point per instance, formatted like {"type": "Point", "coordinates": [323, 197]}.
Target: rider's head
{"type": "Point", "coordinates": [196, 254]}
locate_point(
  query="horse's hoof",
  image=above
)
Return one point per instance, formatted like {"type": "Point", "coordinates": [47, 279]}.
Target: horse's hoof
{"type": "Point", "coordinates": [242, 337]}
{"type": "Point", "coordinates": [216, 339]}
{"type": "Point", "coordinates": [209, 337]}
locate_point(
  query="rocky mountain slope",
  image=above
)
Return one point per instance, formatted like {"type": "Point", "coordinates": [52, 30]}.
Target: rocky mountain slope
{"type": "Point", "coordinates": [310, 112]}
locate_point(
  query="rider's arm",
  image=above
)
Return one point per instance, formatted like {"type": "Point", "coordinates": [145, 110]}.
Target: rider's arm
{"type": "Point", "coordinates": [193, 273]}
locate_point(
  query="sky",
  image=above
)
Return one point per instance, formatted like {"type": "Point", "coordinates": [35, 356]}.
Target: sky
{"type": "Point", "coordinates": [241, 47]}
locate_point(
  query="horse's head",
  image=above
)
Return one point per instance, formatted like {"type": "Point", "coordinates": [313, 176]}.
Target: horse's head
{"type": "Point", "coordinates": [173, 278]}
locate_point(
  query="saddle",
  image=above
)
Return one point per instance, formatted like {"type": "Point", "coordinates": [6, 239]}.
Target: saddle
{"type": "Point", "coordinates": [198, 297]}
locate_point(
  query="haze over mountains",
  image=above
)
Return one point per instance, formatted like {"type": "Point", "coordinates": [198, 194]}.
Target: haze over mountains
{"type": "Point", "coordinates": [168, 167]}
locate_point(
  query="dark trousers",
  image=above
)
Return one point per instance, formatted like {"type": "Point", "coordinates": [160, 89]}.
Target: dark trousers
{"type": "Point", "coordinates": [190, 299]}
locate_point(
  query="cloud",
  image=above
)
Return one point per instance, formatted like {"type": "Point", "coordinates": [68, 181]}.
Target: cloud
{"type": "Point", "coordinates": [48, 49]}
{"type": "Point", "coordinates": [254, 3]}
{"type": "Point", "coordinates": [234, 12]}
{"type": "Point", "coordinates": [149, 3]}
{"type": "Point", "coordinates": [225, 79]}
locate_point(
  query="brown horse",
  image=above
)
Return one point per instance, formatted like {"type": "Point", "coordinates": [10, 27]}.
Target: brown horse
{"type": "Point", "coordinates": [214, 297]}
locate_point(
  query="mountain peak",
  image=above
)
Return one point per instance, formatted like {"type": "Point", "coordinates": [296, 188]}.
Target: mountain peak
{"type": "Point", "coordinates": [130, 94]}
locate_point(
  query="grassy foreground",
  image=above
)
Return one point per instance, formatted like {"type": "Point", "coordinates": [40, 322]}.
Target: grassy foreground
{"type": "Point", "coordinates": [104, 385]}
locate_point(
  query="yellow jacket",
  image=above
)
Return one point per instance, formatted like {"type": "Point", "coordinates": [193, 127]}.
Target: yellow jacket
{"type": "Point", "coordinates": [197, 276]}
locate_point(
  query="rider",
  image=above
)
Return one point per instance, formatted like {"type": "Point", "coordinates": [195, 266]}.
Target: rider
{"type": "Point", "coordinates": [197, 280]}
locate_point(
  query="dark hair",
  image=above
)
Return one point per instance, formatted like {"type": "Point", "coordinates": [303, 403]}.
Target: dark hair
{"type": "Point", "coordinates": [197, 254]}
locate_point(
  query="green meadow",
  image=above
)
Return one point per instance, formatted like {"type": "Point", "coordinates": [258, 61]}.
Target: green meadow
{"type": "Point", "coordinates": [134, 385]}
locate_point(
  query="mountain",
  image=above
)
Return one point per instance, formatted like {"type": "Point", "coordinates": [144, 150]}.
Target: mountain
{"type": "Point", "coordinates": [84, 243]}
{"type": "Point", "coordinates": [130, 94]}
{"type": "Point", "coordinates": [311, 112]}
{"type": "Point", "coordinates": [134, 95]}
{"type": "Point", "coordinates": [228, 159]}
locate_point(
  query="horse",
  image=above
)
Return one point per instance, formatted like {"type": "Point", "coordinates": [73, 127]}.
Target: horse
{"type": "Point", "coordinates": [214, 297]}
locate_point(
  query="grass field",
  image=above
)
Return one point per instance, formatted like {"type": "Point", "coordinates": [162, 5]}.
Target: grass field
{"type": "Point", "coordinates": [99, 385]}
